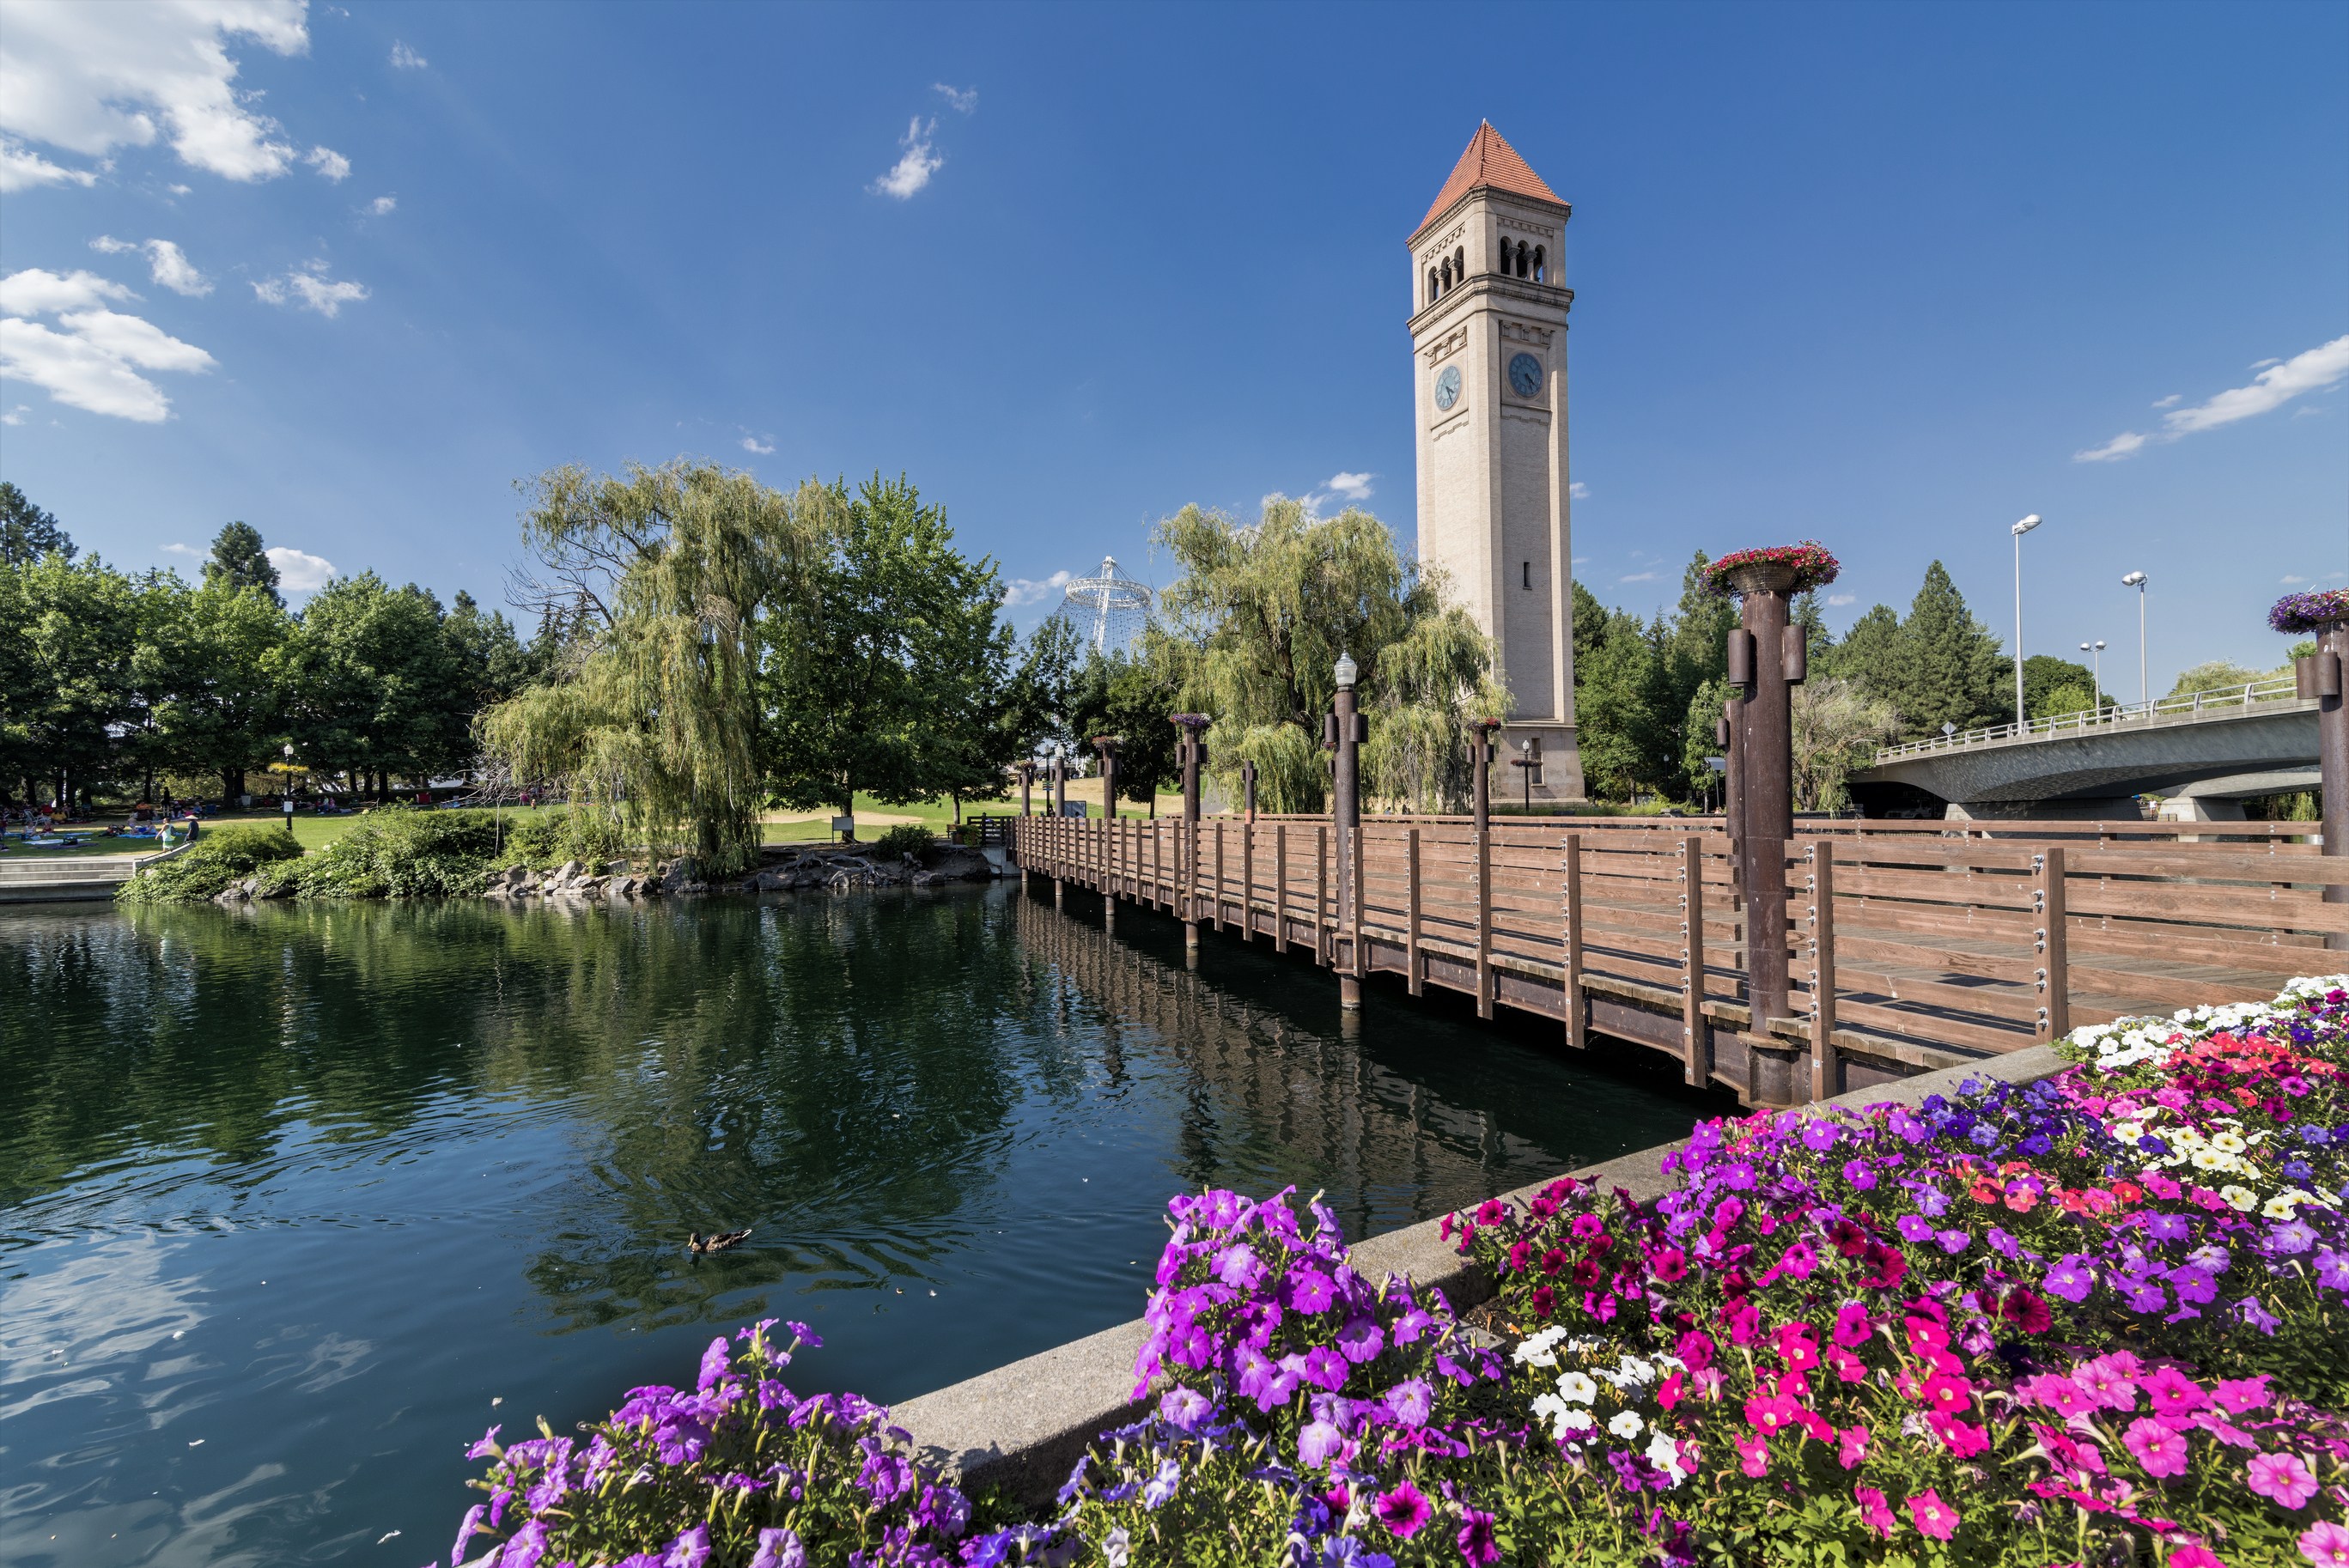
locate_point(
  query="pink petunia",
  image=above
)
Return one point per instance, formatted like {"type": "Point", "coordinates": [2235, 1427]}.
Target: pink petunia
{"type": "Point", "coordinates": [1933, 1517]}
{"type": "Point", "coordinates": [2161, 1449]}
{"type": "Point", "coordinates": [1852, 1447]}
{"type": "Point", "coordinates": [1754, 1455]}
{"type": "Point", "coordinates": [1873, 1511]}
{"type": "Point", "coordinates": [1853, 1325]}
{"type": "Point", "coordinates": [2237, 1395]}
{"type": "Point", "coordinates": [2195, 1555]}
{"type": "Point", "coordinates": [1847, 1367]}
{"type": "Point", "coordinates": [1797, 1348]}
{"type": "Point", "coordinates": [2283, 1478]}
{"type": "Point", "coordinates": [2325, 1545]}
{"type": "Point", "coordinates": [2107, 1382]}
{"type": "Point", "coordinates": [2173, 1393]}
{"type": "Point", "coordinates": [1950, 1396]}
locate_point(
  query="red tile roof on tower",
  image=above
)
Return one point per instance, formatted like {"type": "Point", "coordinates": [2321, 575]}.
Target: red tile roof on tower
{"type": "Point", "coordinates": [1489, 161]}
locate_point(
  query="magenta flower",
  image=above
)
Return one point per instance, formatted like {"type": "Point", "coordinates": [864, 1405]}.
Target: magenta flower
{"type": "Point", "coordinates": [2161, 1449]}
{"type": "Point", "coordinates": [1852, 1324]}
{"type": "Point", "coordinates": [2108, 1381]}
{"type": "Point", "coordinates": [1852, 1447]}
{"type": "Point", "coordinates": [1753, 1454]}
{"type": "Point", "coordinates": [2285, 1478]}
{"type": "Point", "coordinates": [1873, 1511]}
{"type": "Point", "coordinates": [2237, 1395]}
{"type": "Point", "coordinates": [1325, 1369]}
{"type": "Point", "coordinates": [1797, 1348]}
{"type": "Point", "coordinates": [2173, 1393]}
{"type": "Point", "coordinates": [1933, 1517]}
{"type": "Point", "coordinates": [1404, 1511]}
{"type": "Point", "coordinates": [1310, 1290]}
{"type": "Point", "coordinates": [2325, 1545]}
{"type": "Point", "coordinates": [1476, 1543]}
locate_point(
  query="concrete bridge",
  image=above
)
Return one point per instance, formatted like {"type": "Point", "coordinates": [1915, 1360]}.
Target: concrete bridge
{"type": "Point", "coordinates": [2208, 752]}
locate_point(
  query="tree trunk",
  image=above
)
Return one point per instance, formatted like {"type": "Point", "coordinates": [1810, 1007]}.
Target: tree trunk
{"type": "Point", "coordinates": [232, 786]}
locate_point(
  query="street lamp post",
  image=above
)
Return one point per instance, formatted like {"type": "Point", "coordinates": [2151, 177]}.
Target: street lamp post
{"type": "Point", "coordinates": [2019, 530]}
{"type": "Point", "coordinates": [2136, 579]}
{"type": "Point", "coordinates": [2095, 652]}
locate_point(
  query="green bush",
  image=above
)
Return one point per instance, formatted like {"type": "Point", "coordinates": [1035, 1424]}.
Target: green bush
{"type": "Point", "coordinates": [549, 837]}
{"type": "Point", "coordinates": [400, 851]}
{"type": "Point", "coordinates": [906, 838]}
{"type": "Point", "coordinates": [218, 858]}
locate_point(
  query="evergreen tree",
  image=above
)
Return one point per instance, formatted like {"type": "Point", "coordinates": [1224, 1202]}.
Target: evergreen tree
{"type": "Point", "coordinates": [26, 532]}
{"type": "Point", "coordinates": [1868, 656]}
{"type": "Point", "coordinates": [239, 561]}
{"type": "Point", "coordinates": [1946, 667]}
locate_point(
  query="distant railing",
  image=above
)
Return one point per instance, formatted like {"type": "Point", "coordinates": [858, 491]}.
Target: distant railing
{"type": "Point", "coordinates": [2190, 706]}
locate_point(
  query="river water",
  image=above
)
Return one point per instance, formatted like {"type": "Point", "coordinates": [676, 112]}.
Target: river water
{"type": "Point", "coordinates": [295, 1200]}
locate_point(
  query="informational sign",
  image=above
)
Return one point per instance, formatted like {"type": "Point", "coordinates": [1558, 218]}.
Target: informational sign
{"type": "Point", "coordinates": [1716, 764]}
{"type": "Point", "coordinates": [1075, 808]}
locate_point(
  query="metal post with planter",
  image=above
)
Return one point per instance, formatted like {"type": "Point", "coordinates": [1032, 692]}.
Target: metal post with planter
{"type": "Point", "coordinates": [2324, 676]}
{"type": "Point", "coordinates": [1768, 656]}
{"type": "Point", "coordinates": [1194, 754]}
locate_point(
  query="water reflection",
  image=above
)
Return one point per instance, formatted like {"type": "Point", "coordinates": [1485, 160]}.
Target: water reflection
{"type": "Point", "coordinates": [289, 1194]}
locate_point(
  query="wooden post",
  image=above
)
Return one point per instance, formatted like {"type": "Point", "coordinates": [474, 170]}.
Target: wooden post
{"type": "Point", "coordinates": [1158, 864]}
{"type": "Point", "coordinates": [1324, 947]}
{"type": "Point", "coordinates": [1485, 920]}
{"type": "Point", "coordinates": [1694, 1037]}
{"type": "Point", "coordinates": [1219, 874]}
{"type": "Point", "coordinates": [1247, 879]}
{"type": "Point", "coordinates": [2055, 961]}
{"type": "Point", "coordinates": [1574, 1036]}
{"type": "Point", "coordinates": [1826, 1073]}
{"type": "Point", "coordinates": [1415, 975]}
{"type": "Point", "coordinates": [1281, 887]}
{"type": "Point", "coordinates": [1354, 912]}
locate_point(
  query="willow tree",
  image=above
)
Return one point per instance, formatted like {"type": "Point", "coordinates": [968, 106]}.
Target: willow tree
{"type": "Point", "coordinates": [1252, 631]}
{"type": "Point", "coordinates": [670, 578]}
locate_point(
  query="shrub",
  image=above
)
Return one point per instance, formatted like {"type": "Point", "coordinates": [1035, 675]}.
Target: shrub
{"type": "Point", "coordinates": [221, 856]}
{"type": "Point", "coordinates": [549, 837]}
{"type": "Point", "coordinates": [400, 851]}
{"type": "Point", "coordinates": [906, 838]}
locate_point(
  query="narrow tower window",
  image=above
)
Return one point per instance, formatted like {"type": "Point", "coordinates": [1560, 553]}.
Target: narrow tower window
{"type": "Point", "coordinates": [1432, 290]}
{"type": "Point", "coordinates": [1529, 573]}
{"type": "Point", "coordinates": [1460, 263]}
{"type": "Point", "coordinates": [1524, 264]}
{"type": "Point", "coordinates": [1541, 268]}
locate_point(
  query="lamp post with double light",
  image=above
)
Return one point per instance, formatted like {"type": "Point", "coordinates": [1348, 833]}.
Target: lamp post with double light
{"type": "Point", "coordinates": [2095, 652]}
{"type": "Point", "coordinates": [2019, 530]}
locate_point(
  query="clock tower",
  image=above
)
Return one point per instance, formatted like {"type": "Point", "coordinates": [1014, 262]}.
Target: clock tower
{"type": "Point", "coordinates": [1489, 303]}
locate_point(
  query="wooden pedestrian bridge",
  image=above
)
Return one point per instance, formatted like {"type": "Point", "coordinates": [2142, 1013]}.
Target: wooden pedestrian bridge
{"type": "Point", "coordinates": [1910, 945]}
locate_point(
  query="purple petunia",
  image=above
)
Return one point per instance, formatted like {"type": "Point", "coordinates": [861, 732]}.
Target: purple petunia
{"type": "Point", "coordinates": [2072, 1278]}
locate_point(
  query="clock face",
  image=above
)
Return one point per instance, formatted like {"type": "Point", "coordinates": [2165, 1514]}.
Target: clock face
{"type": "Point", "coordinates": [1447, 387]}
{"type": "Point", "coordinates": [1525, 376]}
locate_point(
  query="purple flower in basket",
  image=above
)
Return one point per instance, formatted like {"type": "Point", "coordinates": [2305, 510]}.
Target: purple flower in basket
{"type": "Point", "coordinates": [2310, 612]}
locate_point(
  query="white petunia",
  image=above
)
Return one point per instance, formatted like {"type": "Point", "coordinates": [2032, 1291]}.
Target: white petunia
{"type": "Point", "coordinates": [1578, 1386]}
{"type": "Point", "coordinates": [2239, 1198]}
{"type": "Point", "coordinates": [1539, 1350]}
{"type": "Point", "coordinates": [1665, 1455]}
{"type": "Point", "coordinates": [1627, 1424]}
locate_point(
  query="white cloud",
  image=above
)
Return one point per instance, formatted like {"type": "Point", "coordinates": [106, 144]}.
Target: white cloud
{"type": "Point", "coordinates": [1637, 577]}
{"type": "Point", "coordinates": [751, 444]}
{"type": "Point", "coordinates": [166, 261]}
{"type": "Point", "coordinates": [2288, 579]}
{"type": "Point", "coordinates": [299, 572]}
{"type": "Point", "coordinates": [1577, 490]}
{"type": "Point", "coordinates": [962, 100]}
{"type": "Point", "coordinates": [1840, 600]}
{"type": "Point", "coordinates": [2278, 383]}
{"type": "Point", "coordinates": [1353, 487]}
{"type": "Point", "coordinates": [180, 190]}
{"type": "Point", "coordinates": [15, 415]}
{"type": "Point", "coordinates": [183, 550]}
{"type": "Point", "coordinates": [382, 206]}
{"type": "Point", "coordinates": [90, 364]}
{"type": "Point", "coordinates": [90, 79]}
{"type": "Point", "coordinates": [2264, 364]}
{"type": "Point", "coordinates": [328, 162]}
{"type": "Point", "coordinates": [2171, 401]}
{"type": "Point", "coordinates": [37, 291]}
{"type": "Point", "coordinates": [912, 170]}
{"type": "Point", "coordinates": [21, 169]}
{"type": "Point", "coordinates": [308, 286]}
{"type": "Point", "coordinates": [1033, 590]}
{"type": "Point", "coordinates": [2119, 447]}
{"type": "Point", "coordinates": [404, 58]}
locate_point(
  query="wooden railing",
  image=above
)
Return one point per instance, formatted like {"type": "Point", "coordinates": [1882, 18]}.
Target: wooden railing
{"type": "Point", "coordinates": [1912, 944]}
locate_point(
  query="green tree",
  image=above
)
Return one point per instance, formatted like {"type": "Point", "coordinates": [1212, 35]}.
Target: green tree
{"type": "Point", "coordinates": [1695, 644]}
{"type": "Point", "coordinates": [372, 684]}
{"type": "Point", "coordinates": [1868, 656]}
{"type": "Point", "coordinates": [1252, 631]}
{"type": "Point", "coordinates": [1115, 694]}
{"type": "Point", "coordinates": [665, 581]}
{"type": "Point", "coordinates": [1837, 729]}
{"type": "Point", "coordinates": [2219, 674]}
{"type": "Point", "coordinates": [1628, 740]}
{"type": "Point", "coordinates": [219, 704]}
{"type": "Point", "coordinates": [892, 677]}
{"type": "Point", "coordinates": [239, 560]}
{"type": "Point", "coordinates": [1946, 666]}
{"type": "Point", "coordinates": [2055, 689]}
{"type": "Point", "coordinates": [76, 625]}
{"type": "Point", "coordinates": [26, 532]}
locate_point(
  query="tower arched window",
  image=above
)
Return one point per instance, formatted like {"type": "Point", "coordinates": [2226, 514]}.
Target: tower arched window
{"type": "Point", "coordinates": [1460, 263]}
{"type": "Point", "coordinates": [1523, 263]}
{"type": "Point", "coordinates": [1541, 266]}
{"type": "Point", "coordinates": [1447, 277]}
{"type": "Point", "coordinates": [1432, 288]}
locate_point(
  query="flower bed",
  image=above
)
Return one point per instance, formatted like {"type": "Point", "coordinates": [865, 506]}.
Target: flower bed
{"type": "Point", "coordinates": [2100, 1318]}
{"type": "Point", "coordinates": [1811, 563]}
{"type": "Point", "coordinates": [2309, 612]}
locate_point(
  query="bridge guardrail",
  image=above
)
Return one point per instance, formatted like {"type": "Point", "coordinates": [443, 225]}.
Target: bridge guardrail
{"type": "Point", "coordinates": [2189, 706]}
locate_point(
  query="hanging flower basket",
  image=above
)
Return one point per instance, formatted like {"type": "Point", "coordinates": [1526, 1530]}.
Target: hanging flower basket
{"type": "Point", "coordinates": [2297, 612]}
{"type": "Point", "coordinates": [1806, 566]}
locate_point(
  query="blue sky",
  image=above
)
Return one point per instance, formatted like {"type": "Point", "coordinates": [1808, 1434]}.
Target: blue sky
{"type": "Point", "coordinates": [1881, 275]}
